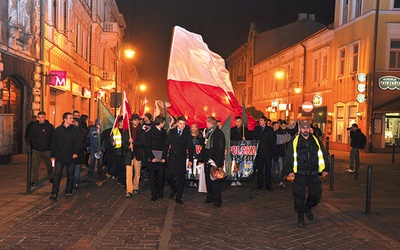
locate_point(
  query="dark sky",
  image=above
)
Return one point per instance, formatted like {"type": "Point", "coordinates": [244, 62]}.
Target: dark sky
{"type": "Point", "coordinates": [224, 25]}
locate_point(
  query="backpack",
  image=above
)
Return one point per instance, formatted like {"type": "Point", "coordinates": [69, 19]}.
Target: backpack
{"type": "Point", "coordinates": [363, 141]}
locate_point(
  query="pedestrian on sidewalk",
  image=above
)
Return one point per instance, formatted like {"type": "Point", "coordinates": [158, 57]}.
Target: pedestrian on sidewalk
{"type": "Point", "coordinates": [174, 154]}
{"type": "Point", "coordinates": [306, 158]}
{"type": "Point", "coordinates": [96, 149]}
{"type": "Point", "coordinates": [40, 137]}
{"type": "Point", "coordinates": [133, 143]}
{"type": "Point", "coordinates": [358, 141]}
{"type": "Point", "coordinates": [65, 147]}
{"type": "Point", "coordinates": [238, 133]}
{"type": "Point", "coordinates": [154, 143]}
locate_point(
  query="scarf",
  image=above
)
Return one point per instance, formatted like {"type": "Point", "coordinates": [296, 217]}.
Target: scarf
{"type": "Point", "coordinates": [208, 141]}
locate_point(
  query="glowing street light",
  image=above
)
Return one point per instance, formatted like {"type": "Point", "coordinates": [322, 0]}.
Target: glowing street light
{"type": "Point", "coordinates": [129, 53]}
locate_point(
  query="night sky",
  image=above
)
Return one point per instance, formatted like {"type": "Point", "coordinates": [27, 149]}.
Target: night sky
{"type": "Point", "coordinates": [223, 24]}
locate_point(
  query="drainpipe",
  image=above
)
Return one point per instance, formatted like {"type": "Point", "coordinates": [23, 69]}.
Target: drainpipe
{"type": "Point", "coordinates": [42, 76]}
{"type": "Point", "coordinates": [304, 70]}
{"type": "Point", "coordinates": [370, 97]}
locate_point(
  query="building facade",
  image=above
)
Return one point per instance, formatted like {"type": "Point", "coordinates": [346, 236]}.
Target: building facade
{"type": "Point", "coordinates": [349, 71]}
{"type": "Point", "coordinates": [58, 56]}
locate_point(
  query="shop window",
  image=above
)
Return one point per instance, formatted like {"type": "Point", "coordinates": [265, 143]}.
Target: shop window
{"type": "Point", "coordinates": [392, 128]}
{"type": "Point", "coordinates": [340, 124]}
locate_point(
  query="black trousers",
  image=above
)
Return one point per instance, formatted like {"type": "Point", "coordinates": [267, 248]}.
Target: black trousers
{"type": "Point", "coordinates": [300, 185]}
{"type": "Point", "coordinates": [157, 174]}
{"type": "Point", "coordinates": [120, 168]}
{"type": "Point", "coordinates": [176, 181]}
{"type": "Point", "coordinates": [213, 187]}
{"type": "Point", "coordinates": [58, 176]}
{"type": "Point", "coordinates": [264, 165]}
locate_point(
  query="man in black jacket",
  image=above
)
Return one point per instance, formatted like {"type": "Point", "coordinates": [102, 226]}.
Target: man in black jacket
{"type": "Point", "coordinates": [214, 149]}
{"type": "Point", "coordinates": [132, 144]}
{"type": "Point", "coordinates": [154, 143]}
{"type": "Point", "coordinates": [266, 150]}
{"type": "Point", "coordinates": [65, 147]}
{"type": "Point", "coordinates": [174, 154]}
{"type": "Point", "coordinates": [306, 158]}
{"type": "Point", "coordinates": [40, 136]}
{"type": "Point", "coordinates": [358, 141]}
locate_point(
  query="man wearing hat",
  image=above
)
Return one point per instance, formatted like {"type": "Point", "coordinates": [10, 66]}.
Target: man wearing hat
{"type": "Point", "coordinates": [306, 158]}
{"type": "Point", "coordinates": [132, 144]}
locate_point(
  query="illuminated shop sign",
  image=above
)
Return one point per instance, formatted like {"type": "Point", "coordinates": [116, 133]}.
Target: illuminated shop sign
{"type": "Point", "coordinates": [58, 78]}
{"type": "Point", "coordinates": [389, 82]}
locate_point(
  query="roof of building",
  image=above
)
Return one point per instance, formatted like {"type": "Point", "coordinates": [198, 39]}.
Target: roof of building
{"type": "Point", "coordinates": [270, 42]}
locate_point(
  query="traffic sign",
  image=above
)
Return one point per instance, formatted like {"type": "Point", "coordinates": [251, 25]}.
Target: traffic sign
{"type": "Point", "coordinates": [307, 106]}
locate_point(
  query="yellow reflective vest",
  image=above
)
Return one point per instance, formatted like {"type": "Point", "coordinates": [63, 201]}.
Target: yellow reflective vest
{"type": "Point", "coordinates": [321, 161]}
{"type": "Point", "coordinates": [117, 138]}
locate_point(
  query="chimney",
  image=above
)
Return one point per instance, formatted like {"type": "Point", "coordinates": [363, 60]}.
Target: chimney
{"type": "Point", "coordinates": [311, 16]}
{"type": "Point", "coordinates": [302, 16]}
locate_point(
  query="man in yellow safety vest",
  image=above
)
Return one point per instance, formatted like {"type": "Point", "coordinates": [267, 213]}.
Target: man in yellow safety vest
{"type": "Point", "coordinates": [306, 159]}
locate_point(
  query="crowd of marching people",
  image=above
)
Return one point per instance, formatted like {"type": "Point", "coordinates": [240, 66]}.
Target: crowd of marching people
{"type": "Point", "coordinates": [144, 148]}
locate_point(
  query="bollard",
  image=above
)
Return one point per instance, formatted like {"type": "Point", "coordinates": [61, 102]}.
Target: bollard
{"type": "Point", "coordinates": [29, 173]}
{"type": "Point", "coordinates": [357, 165]}
{"type": "Point", "coordinates": [394, 151]}
{"type": "Point", "coordinates": [332, 176]}
{"type": "Point", "coordinates": [368, 196]}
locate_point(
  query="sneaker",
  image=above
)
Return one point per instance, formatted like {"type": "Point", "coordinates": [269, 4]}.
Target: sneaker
{"type": "Point", "coordinates": [309, 214]}
{"type": "Point", "coordinates": [53, 197]}
{"type": "Point", "coordinates": [238, 183]}
{"type": "Point", "coordinates": [108, 176]}
{"type": "Point", "coordinates": [128, 195]}
{"type": "Point", "coordinates": [191, 184]}
{"type": "Point", "coordinates": [194, 184]}
{"type": "Point", "coordinates": [113, 178]}
{"type": "Point", "coordinates": [135, 192]}
{"type": "Point", "coordinates": [68, 195]}
{"type": "Point", "coordinates": [233, 184]}
{"type": "Point", "coordinates": [33, 184]}
{"type": "Point", "coordinates": [281, 185]}
{"type": "Point", "coordinates": [350, 170]}
{"type": "Point", "coordinates": [300, 220]}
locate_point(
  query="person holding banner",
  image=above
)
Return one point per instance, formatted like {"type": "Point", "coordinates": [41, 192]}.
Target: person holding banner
{"type": "Point", "coordinates": [154, 143]}
{"type": "Point", "coordinates": [238, 133]}
{"type": "Point", "coordinates": [306, 158]}
{"type": "Point", "coordinates": [174, 154]}
{"type": "Point", "coordinates": [213, 151]}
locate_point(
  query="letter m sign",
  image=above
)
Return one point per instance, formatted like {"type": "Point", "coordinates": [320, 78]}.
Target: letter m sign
{"type": "Point", "coordinates": [58, 78]}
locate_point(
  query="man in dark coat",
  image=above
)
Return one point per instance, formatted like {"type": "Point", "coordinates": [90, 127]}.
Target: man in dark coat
{"type": "Point", "coordinates": [266, 150]}
{"type": "Point", "coordinates": [174, 154]}
{"type": "Point", "coordinates": [40, 136]}
{"type": "Point", "coordinates": [81, 154]}
{"type": "Point", "coordinates": [154, 143]}
{"type": "Point", "coordinates": [213, 152]}
{"type": "Point", "coordinates": [306, 158]}
{"type": "Point", "coordinates": [358, 141]}
{"type": "Point", "coordinates": [132, 144]}
{"type": "Point", "coordinates": [65, 146]}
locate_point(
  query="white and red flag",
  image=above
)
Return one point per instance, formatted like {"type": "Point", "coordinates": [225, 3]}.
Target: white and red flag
{"type": "Point", "coordinates": [198, 82]}
{"type": "Point", "coordinates": [126, 113]}
{"type": "Point", "coordinates": [142, 109]}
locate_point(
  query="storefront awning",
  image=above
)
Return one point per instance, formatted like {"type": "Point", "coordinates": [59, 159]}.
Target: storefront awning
{"type": "Point", "coordinates": [392, 105]}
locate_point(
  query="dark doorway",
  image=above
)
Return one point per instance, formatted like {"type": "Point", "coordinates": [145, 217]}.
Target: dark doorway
{"type": "Point", "coordinates": [13, 92]}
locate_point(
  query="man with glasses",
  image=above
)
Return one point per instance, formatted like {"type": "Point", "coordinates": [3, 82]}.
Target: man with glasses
{"type": "Point", "coordinates": [174, 154]}
{"type": "Point", "coordinates": [306, 158]}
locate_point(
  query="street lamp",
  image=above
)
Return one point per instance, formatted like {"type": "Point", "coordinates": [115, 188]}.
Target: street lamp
{"type": "Point", "coordinates": [139, 89]}
{"type": "Point", "coordinates": [280, 74]}
{"type": "Point", "coordinates": [129, 53]}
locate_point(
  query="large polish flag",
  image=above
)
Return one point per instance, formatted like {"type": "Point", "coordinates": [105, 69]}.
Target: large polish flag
{"type": "Point", "coordinates": [198, 82]}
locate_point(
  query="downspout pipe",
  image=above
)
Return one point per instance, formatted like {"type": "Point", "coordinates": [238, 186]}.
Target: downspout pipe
{"type": "Point", "coordinates": [42, 75]}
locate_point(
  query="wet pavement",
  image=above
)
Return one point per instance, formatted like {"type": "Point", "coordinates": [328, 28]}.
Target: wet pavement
{"type": "Point", "coordinates": [98, 216]}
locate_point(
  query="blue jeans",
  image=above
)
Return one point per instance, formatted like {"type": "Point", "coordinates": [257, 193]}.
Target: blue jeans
{"type": "Point", "coordinates": [93, 162]}
{"type": "Point", "coordinates": [58, 176]}
{"type": "Point", "coordinates": [278, 166]}
{"type": "Point", "coordinates": [77, 173]}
